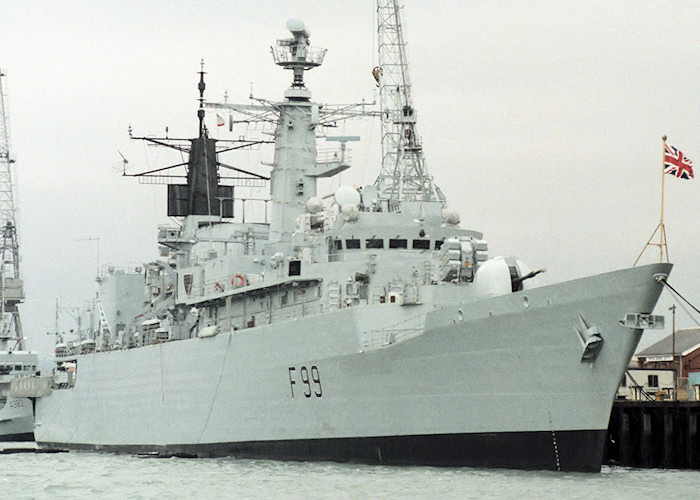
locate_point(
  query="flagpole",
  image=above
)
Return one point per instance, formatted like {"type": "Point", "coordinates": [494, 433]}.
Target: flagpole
{"type": "Point", "coordinates": [662, 239]}
{"type": "Point", "coordinates": [660, 228]}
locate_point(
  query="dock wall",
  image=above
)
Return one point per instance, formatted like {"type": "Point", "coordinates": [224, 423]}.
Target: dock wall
{"type": "Point", "coordinates": [659, 434]}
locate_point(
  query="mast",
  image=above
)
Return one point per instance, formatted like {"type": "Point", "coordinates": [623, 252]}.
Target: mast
{"type": "Point", "coordinates": [294, 172]}
{"type": "Point", "coordinates": [404, 175]}
{"type": "Point", "coordinates": [11, 286]}
{"type": "Point", "coordinates": [661, 227]}
{"type": "Point", "coordinates": [296, 166]}
{"type": "Point", "coordinates": [206, 191]}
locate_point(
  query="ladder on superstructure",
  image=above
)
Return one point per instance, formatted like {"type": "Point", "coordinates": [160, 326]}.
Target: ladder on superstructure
{"type": "Point", "coordinates": [404, 176]}
{"type": "Point", "coordinates": [11, 286]}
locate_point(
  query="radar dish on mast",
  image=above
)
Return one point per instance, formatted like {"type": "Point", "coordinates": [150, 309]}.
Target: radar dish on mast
{"type": "Point", "coordinates": [345, 195]}
{"type": "Point", "coordinates": [370, 195]}
{"type": "Point", "coordinates": [296, 27]}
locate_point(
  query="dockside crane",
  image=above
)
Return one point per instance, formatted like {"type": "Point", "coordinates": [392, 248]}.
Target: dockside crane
{"type": "Point", "coordinates": [11, 285]}
{"type": "Point", "coordinates": [404, 175]}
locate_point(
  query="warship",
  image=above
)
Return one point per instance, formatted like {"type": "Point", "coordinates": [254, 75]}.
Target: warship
{"type": "Point", "coordinates": [16, 413]}
{"type": "Point", "coordinates": [359, 325]}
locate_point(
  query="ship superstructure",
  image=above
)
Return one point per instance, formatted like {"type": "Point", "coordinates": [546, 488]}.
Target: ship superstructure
{"type": "Point", "coordinates": [16, 416]}
{"type": "Point", "coordinates": [363, 324]}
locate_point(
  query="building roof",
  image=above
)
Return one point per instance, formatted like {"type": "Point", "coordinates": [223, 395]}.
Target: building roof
{"type": "Point", "coordinates": [687, 340]}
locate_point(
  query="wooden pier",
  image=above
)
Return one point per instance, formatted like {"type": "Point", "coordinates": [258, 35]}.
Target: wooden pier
{"type": "Point", "coordinates": [661, 434]}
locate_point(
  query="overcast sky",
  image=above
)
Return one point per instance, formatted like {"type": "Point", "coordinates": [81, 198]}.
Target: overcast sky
{"type": "Point", "coordinates": [541, 121]}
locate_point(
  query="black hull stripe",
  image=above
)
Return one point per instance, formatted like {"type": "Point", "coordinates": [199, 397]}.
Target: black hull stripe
{"type": "Point", "coordinates": [25, 436]}
{"type": "Point", "coordinates": [558, 450]}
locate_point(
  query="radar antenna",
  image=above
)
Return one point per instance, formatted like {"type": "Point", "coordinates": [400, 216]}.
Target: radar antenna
{"type": "Point", "coordinates": [297, 53]}
{"type": "Point", "coordinates": [11, 286]}
{"type": "Point", "coordinates": [404, 176]}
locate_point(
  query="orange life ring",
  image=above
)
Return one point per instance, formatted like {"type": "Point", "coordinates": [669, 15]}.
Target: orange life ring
{"type": "Point", "coordinates": [238, 280]}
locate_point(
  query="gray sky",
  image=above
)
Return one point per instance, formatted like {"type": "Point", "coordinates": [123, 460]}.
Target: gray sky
{"type": "Point", "coordinates": [541, 121]}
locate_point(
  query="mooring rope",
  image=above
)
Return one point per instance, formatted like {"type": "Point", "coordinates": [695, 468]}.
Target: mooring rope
{"type": "Point", "coordinates": [676, 293]}
{"type": "Point", "coordinates": [663, 280]}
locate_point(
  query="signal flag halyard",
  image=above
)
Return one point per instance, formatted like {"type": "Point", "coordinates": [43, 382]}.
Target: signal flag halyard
{"type": "Point", "coordinates": [676, 163]}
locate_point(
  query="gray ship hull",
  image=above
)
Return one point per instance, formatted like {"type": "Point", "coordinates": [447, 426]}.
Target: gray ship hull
{"type": "Point", "coordinates": [16, 420]}
{"type": "Point", "coordinates": [495, 382]}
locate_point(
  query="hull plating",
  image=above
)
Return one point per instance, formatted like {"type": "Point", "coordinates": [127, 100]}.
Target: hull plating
{"type": "Point", "coordinates": [497, 382]}
{"type": "Point", "coordinates": [564, 451]}
{"type": "Point", "coordinates": [17, 420]}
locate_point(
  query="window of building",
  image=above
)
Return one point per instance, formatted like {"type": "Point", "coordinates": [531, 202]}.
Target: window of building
{"type": "Point", "coordinates": [338, 244]}
{"type": "Point", "coordinates": [438, 244]}
{"type": "Point", "coordinates": [653, 380]}
{"type": "Point", "coordinates": [352, 244]}
{"type": "Point", "coordinates": [374, 243]}
{"type": "Point", "coordinates": [398, 243]}
{"type": "Point", "coordinates": [421, 244]}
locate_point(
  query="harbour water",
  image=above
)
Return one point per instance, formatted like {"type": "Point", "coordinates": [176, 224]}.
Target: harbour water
{"type": "Point", "coordinates": [78, 475]}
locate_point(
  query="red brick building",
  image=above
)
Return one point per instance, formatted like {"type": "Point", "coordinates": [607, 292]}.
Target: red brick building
{"type": "Point", "coordinates": [685, 358]}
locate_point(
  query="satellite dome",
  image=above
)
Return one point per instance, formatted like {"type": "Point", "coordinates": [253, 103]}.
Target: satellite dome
{"type": "Point", "coordinates": [345, 195]}
{"type": "Point", "coordinates": [350, 212]}
{"type": "Point", "coordinates": [314, 205]}
{"type": "Point", "coordinates": [450, 216]}
{"type": "Point", "coordinates": [370, 195]}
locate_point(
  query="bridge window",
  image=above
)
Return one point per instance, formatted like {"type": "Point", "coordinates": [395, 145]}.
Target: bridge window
{"type": "Point", "coordinates": [438, 244]}
{"type": "Point", "coordinates": [352, 244]}
{"type": "Point", "coordinates": [421, 244]}
{"type": "Point", "coordinates": [374, 243]}
{"type": "Point", "coordinates": [338, 244]}
{"type": "Point", "coordinates": [398, 243]}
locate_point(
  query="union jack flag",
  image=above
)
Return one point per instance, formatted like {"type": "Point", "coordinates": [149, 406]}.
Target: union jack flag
{"type": "Point", "coordinates": [677, 164]}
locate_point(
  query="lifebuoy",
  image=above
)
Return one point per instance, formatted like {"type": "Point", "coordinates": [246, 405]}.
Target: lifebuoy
{"type": "Point", "coordinates": [238, 280]}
